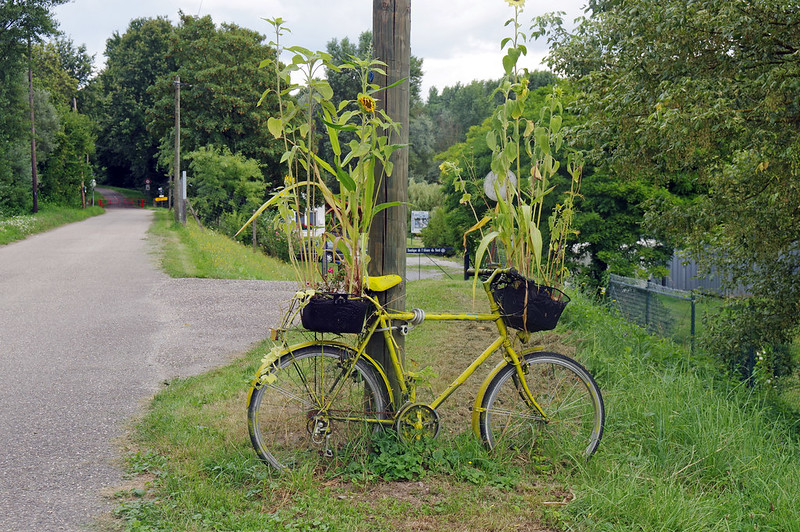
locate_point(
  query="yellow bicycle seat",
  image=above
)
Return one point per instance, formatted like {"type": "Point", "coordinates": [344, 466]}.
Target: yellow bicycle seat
{"type": "Point", "coordinates": [383, 283]}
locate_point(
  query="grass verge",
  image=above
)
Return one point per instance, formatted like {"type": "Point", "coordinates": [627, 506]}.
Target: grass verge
{"type": "Point", "coordinates": [49, 217]}
{"type": "Point", "coordinates": [126, 192]}
{"type": "Point", "coordinates": [189, 251]}
{"type": "Point", "coordinates": [684, 449]}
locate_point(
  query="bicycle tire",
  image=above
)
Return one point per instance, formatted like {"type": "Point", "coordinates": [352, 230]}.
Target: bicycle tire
{"type": "Point", "coordinates": [289, 420]}
{"type": "Point", "coordinates": [567, 394]}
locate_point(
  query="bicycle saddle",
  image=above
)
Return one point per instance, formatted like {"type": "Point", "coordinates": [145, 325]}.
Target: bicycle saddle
{"type": "Point", "coordinates": [383, 283]}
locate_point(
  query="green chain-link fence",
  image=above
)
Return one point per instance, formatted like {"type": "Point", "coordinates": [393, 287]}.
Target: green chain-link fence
{"type": "Point", "coordinates": [666, 312]}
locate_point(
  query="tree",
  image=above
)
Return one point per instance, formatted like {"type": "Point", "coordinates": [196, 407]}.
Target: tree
{"type": "Point", "coordinates": [461, 106]}
{"type": "Point", "coordinates": [22, 23]}
{"type": "Point", "coordinates": [219, 101]}
{"type": "Point", "coordinates": [610, 220]}
{"type": "Point", "coordinates": [14, 187]}
{"type": "Point", "coordinates": [126, 151]}
{"type": "Point", "coordinates": [67, 169]}
{"type": "Point", "coordinates": [226, 187]}
{"type": "Point", "coordinates": [704, 92]}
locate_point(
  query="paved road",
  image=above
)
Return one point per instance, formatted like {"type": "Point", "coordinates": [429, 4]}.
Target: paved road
{"type": "Point", "coordinates": [89, 328]}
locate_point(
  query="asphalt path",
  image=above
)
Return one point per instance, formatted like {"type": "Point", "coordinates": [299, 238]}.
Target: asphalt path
{"type": "Point", "coordinates": [90, 328]}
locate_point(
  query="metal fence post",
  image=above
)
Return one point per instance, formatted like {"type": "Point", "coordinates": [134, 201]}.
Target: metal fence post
{"type": "Point", "coordinates": [693, 329]}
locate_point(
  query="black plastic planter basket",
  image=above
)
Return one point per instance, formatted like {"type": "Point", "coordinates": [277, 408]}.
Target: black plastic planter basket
{"type": "Point", "coordinates": [335, 313]}
{"type": "Point", "coordinates": [525, 305]}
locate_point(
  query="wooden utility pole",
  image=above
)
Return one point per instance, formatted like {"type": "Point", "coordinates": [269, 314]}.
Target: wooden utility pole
{"type": "Point", "coordinates": [391, 33]}
{"type": "Point", "coordinates": [174, 200]}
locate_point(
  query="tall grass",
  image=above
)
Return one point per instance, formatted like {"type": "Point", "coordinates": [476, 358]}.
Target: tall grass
{"type": "Point", "coordinates": [684, 448]}
{"type": "Point", "coordinates": [49, 217]}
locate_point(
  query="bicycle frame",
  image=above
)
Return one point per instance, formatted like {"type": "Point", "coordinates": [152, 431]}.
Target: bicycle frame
{"type": "Point", "coordinates": [383, 323]}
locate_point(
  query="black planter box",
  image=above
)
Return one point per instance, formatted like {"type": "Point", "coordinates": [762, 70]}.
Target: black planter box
{"type": "Point", "coordinates": [335, 313]}
{"type": "Point", "coordinates": [527, 306]}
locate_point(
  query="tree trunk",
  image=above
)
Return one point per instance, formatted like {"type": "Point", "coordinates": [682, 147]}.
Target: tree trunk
{"type": "Point", "coordinates": [34, 171]}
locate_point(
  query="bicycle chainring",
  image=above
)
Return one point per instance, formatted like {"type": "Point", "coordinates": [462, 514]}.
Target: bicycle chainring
{"type": "Point", "coordinates": [415, 421]}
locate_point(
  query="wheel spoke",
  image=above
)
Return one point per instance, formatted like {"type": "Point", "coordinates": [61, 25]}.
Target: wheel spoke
{"type": "Point", "coordinates": [317, 408]}
{"type": "Point", "coordinates": [567, 395]}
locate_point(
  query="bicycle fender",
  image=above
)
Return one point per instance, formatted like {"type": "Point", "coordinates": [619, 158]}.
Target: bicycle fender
{"type": "Point", "coordinates": [477, 409]}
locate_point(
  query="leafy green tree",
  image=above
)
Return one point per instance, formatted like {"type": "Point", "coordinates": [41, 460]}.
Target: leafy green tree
{"type": "Point", "coordinates": [462, 106]}
{"type": "Point", "coordinates": [61, 69]}
{"type": "Point", "coordinates": [424, 196]}
{"type": "Point", "coordinates": [219, 101]}
{"type": "Point", "coordinates": [15, 186]}
{"type": "Point", "coordinates": [226, 187]}
{"type": "Point", "coordinates": [422, 139]}
{"type": "Point", "coordinates": [22, 23]}
{"type": "Point", "coordinates": [66, 169]}
{"type": "Point", "coordinates": [708, 92]}
{"type": "Point", "coordinates": [610, 220]}
{"type": "Point", "coordinates": [126, 151]}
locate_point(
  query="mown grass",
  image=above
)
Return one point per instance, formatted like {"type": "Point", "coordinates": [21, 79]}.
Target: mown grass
{"type": "Point", "coordinates": [49, 217]}
{"type": "Point", "coordinates": [189, 251]}
{"type": "Point", "coordinates": [126, 192]}
{"type": "Point", "coordinates": [684, 449]}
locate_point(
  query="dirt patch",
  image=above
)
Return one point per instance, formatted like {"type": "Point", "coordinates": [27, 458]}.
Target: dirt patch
{"type": "Point", "coordinates": [436, 504]}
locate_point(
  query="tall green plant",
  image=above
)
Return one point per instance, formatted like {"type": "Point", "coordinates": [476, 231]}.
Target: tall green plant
{"type": "Point", "coordinates": [514, 224]}
{"type": "Point", "coordinates": [358, 166]}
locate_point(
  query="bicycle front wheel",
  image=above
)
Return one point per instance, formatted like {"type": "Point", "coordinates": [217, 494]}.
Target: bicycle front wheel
{"type": "Point", "coordinates": [573, 409]}
{"type": "Point", "coordinates": [317, 407]}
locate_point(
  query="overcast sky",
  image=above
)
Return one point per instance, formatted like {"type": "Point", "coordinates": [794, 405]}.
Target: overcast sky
{"type": "Point", "coordinates": [459, 40]}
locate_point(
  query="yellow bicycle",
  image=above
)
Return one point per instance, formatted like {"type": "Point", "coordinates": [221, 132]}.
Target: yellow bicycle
{"type": "Point", "coordinates": [325, 398]}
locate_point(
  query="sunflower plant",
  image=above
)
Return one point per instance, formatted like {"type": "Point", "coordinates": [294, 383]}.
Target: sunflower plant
{"type": "Point", "coordinates": [357, 169]}
{"type": "Point", "coordinates": [514, 224]}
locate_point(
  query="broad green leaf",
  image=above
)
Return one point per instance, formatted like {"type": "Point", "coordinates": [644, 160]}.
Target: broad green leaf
{"type": "Point", "coordinates": [323, 164]}
{"type": "Point", "coordinates": [333, 136]}
{"type": "Point", "coordinates": [517, 109]}
{"type": "Point", "coordinates": [536, 242]}
{"type": "Point", "coordinates": [387, 205]}
{"type": "Point", "coordinates": [555, 123]}
{"type": "Point", "coordinates": [346, 181]}
{"type": "Point", "coordinates": [325, 90]}
{"type": "Point", "coordinates": [542, 139]}
{"type": "Point", "coordinates": [491, 140]}
{"type": "Point", "coordinates": [482, 247]}
{"type": "Point", "coordinates": [275, 126]}
{"type": "Point", "coordinates": [511, 153]}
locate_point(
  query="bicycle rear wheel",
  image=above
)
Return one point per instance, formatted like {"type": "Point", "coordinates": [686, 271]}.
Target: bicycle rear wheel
{"type": "Point", "coordinates": [567, 394]}
{"type": "Point", "coordinates": [315, 408]}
